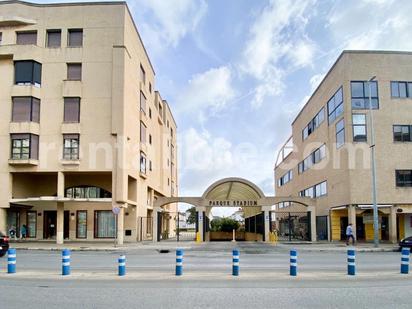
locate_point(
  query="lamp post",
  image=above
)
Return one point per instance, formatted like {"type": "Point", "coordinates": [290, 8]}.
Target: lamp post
{"type": "Point", "coordinates": [372, 146]}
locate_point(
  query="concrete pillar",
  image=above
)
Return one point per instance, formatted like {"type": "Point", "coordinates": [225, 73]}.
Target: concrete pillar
{"type": "Point", "coordinates": [313, 236]}
{"type": "Point", "coordinates": [266, 214]}
{"type": "Point", "coordinates": [60, 223]}
{"type": "Point", "coordinates": [200, 211]}
{"type": "Point", "coordinates": [120, 226]}
{"type": "Point", "coordinates": [352, 218]}
{"type": "Point", "coordinates": [60, 184]}
{"type": "Point", "coordinates": [3, 220]}
{"type": "Point", "coordinates": [155, 215]}
{"type": "Point", "coordinates": [393, 228]}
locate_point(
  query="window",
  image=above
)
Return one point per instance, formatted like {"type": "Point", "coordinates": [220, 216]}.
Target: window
{"type": "Point", "coordinates": [401, 89]}
{"type": "Point", "coordinates": [54, 38]}
{"type": "Point", "coordinates": [402, 133]}
{"type": "Point", "coordinates": [150, 165]}
{"type": "Point", "coordinates": [316, 191]}
{"type": "Point", "coordinates": [404, 178]}
{"type": "Point", "coordinates": [1, 37]}
{"type": "Point", "coordinates": [313, 124]}
{"type": "Point", "coordinates": [81, 224]}
{"type": "Point", "coordinates": [335, 106]}
{"type": "Point", "coordinates": [142, 102]}
{"type": "Point", "coordinates": [31, 224]}
{"type": "Point", "coordinates": [360, 94]}
{"type": "Point", "coordinates": [87, 192]}
{"type": "Point", "coordinates": [75, 38]}
{"type": "Point", "coordinates": [340, 133]}
{"type": "Point", "coordinates": [71, 146]}
{"type": "Point", "coordinates": [24, 146]}
{"type": "Point", "coordinates": [285, 178]}
{"type": "Point", "coordinates": [143, 162]}
{"type": "Point", "coordinates": [150, 87]}
{"type": "Point", "coordinates": [314, 158]}
{"type": "Point", "coordinates": [27, 72]}
{"type": "Point", "coordinates": [142, 132]}
{"type": "Point", "coordinates": [26, 38]}
{"type": "Point", "coordinates": [150, 113]}
{"type": "Point", "coordinates": [26, 109]}
{"type": "Point", "coordinates": [74, 71]}
{"type": "Point", "coordinates": [104, 224]}
{"type": "Point", "coordinates": [359, 128]}
{"type": "Point", "coordinates": [71, 110]}
{"type": "Point", "coordinates": [142, 75]}
{"type": "Point", "coordinates": [150, 139]}
{"type": "Point", "coordinates": [171, 133]}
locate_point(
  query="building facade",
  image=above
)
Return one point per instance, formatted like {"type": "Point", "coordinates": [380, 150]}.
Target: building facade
{"type": "Point", "coordinates": [82, 129]}
{"type": "Point", "coordinates": [328, 154]}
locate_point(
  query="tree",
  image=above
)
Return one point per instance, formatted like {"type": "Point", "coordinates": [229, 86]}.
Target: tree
{"type": "Point", "coordinates": [224, 225]}
{"type": "Point", "coordinates": [192, 215]}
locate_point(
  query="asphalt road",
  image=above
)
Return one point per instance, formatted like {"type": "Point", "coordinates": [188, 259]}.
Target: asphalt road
{"type": "Point", "coordinates": [264, 281]}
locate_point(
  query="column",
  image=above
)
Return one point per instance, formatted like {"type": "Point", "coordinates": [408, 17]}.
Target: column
{"type": "Point", "coordinates": [60, 223]}
{"type": "Point", "coordinates": [200, 211]}
{"type": "Point", "coordinates": [393, 238]}
{"type": "Point", "coordinates": [60, 184]}
{"type": "Point", "coordinates": [120, 226]}
{"type": "Point", "coordinates": [155, 221]}
{"type": "Point", "coordinates": [313, 236]}
{"type": "Point", "coordinates": [352, 219]}
{"type": "Point", "coordinates": [266, 213]}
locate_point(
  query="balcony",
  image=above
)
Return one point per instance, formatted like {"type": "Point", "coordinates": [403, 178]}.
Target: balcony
{"type": "Point", "coordinates": [24, 162]}
{"type": "Point", "coordinates": [24, 127]}
{"type": "Point", "coordinates": [26, 91]}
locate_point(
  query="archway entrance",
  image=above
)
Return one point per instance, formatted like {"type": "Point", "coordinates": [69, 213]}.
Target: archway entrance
{"type": "Point", "coordinates": [237, 193]}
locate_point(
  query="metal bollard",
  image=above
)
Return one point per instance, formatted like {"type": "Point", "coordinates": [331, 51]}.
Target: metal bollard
{"type": "Point", "coordinates": [66, 262]}
{"type": "Point", "coordinates": [293, 263]}
{"type": "Point", "coordinates": [179, 262]}
{"type": "Point", "coordinates": [405, 261]}
{"type": "Point", "coordinates": [11, 261]}
{"type": "Point", "coordinates": [122, 265]}
{"type": "Point", "coordinates": [235, 266]}
{"type": "Point", "coordinates": [351, 262]}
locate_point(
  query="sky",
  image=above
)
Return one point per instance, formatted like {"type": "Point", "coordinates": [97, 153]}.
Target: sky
{"type": "Point", "coordinates": [237, 72]}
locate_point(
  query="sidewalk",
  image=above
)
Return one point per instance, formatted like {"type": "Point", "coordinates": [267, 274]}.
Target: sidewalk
{"type": "Point", "coordinates": [253, 247]}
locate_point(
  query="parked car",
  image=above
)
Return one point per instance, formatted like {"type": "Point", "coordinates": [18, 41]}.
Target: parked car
{"type": "Point", "coordinates": [406, 243]}
{"type": "Point", "coordinates": [4, 244]}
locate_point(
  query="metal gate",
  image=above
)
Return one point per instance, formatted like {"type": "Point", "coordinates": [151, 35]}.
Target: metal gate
{"type": "Point", "coordinates": [290, 226]}
{"type": "Point", "coordinates": [175, 226]}
{"type": "Point", "coordinates": [144, 228]}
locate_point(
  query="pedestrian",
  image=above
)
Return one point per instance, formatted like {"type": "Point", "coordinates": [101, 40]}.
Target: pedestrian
{"type": "Point", "coordinates": [12, 232]}
{"type": "Point", "coordinates": [23, 231]}
{"type": "Point", "coordinates": [349, 235]}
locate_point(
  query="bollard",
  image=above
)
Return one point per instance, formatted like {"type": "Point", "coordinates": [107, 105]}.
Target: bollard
{"type": "Point", "coordinates": [65, 262]}
{"type": "Point", "coordinates": [405, 261]}
{"type": "Point", "coordinates": [351, 262]}
{"type": "Point", "coordinates": [122, 265]}
{"type": "Point", "coordinates": [293, 263]}
{"type": "Point", "coordinates": [235, 267]}
{"type": "Point", "coordinates": [179, 262]}
{"type": "Point", "coordinates": [11, 261]}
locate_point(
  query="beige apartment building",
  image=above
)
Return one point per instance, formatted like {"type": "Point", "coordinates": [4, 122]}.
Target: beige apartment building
{"type": "Point", "coordinates": [328, 154]}
{"type": "Point", "coordinates": [83, 133]}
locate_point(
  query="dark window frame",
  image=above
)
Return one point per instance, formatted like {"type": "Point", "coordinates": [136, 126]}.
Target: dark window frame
{"type": "Point", "coordinates": [408, 89]}
{"type": "Point", "coordinates": [73, 156]}
{"type": "Point", "coordinates": [53, 31]}
{"type": "Point", "coordinates": [69, 39]}
{"type": "Point", "coordinates": [28, 235]}
{"type": "Point", "coordinates": [34, 80]}
{"type": "Point", "coordinates": [402, 135]}
{"type": "Point", "coordinates": [31, 109]}
{"type": "Point", "coordinates": [335, 107]}
{"type": "Point", "coordinates": [359, 125]}
{"type": "Point", "coordinates": [29, 147]}
{"type": "Point", "coordinates": [365, 97]}
{"type": "Point", "coordinates": [74, 64]}
{"type": "Point", "coordinates": [77, 223]}
{"type": "Point", "coordinates": [313, 124]}
{"type": "Point", "coordinates": [302, 167]}
{"type": "Point", "coordinates": [84, 189]}
{"type": "Point", "coordinates": [143, 163]}
{"type": "Point", "coordinates": [143, 135]}
{"type": "Point", "coordinates": [342, 130]}
{"type": "Point", "coordinates": [64, 110]}
{"type": "Point", "coordinates": [96, 227]}
{"type": "Point", "coordinates": [26, 32]}
{"type": "Point", "coordinates": [403, 183]}
{"type": "Point", "coordinates": [143, 102]}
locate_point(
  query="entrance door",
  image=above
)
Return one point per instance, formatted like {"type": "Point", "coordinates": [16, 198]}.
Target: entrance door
{"type": "Point", "coordinates": [343, 224]}
{"type": "Point", "coordinates": [49, 224]}
{"type": "Point", "coordinates": [360, 229]}
{"type": "Point", "coordinates": [66, 230]}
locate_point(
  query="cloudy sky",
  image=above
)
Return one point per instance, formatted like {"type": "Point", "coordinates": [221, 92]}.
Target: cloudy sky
{"type": "Point", "coordinates": [236, 72]}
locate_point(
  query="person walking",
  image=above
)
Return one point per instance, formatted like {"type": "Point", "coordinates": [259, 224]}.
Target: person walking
{"type": "Point", "coordinates": [23, 231]}
{"type": "Point", "coordinates": [349, 235]}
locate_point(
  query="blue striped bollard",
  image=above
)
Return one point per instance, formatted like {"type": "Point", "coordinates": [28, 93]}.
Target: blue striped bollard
{"type": "Point", "coordinates": [293, 263]}
{"type": "Point", "coordinates": [351, 262]}
{"type": "Point", "coordinates": [66, 262]}
{"type": "Point", "coordinates": [235, 266]}
{"type": "Point", "coordinates": [11, 261]}
{"type": "Point", "coordinates": [122, 265]}
{"type": "Point", "coordinates": [179, 262]}
{"type": "Point", "coordinates": [405, 261]}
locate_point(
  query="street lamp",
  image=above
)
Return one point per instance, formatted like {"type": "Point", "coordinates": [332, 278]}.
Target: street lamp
{"type": "Point", "coordinates": [372, 146]}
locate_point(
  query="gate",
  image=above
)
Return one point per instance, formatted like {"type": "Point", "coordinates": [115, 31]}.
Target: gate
{"type": "Point", "coordinates": [144, 228]}
{"type": "Point", "coordinates": [175, 226]}
{"type": "Point", "coordinates": [291, 226]}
